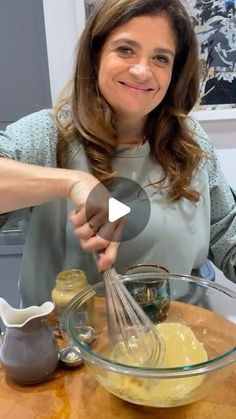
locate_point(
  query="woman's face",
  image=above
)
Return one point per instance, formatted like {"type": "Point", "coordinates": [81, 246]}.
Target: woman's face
{"type": "Point", "coordinates": [136, 64]}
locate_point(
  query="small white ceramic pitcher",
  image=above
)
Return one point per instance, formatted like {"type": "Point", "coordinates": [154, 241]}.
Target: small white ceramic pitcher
{"type": "Point", "coordinates": [29, 353]}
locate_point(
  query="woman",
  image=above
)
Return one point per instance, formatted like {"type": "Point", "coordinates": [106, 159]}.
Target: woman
{"type": "Point", "coordinates": [135, 81]}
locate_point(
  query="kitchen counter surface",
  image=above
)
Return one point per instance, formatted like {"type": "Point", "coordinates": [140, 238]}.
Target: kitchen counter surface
{"type": "Point", "coordinates": [73, 394]}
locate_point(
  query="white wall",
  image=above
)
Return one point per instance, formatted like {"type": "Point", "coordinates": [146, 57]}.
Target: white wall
{"type": "Point", "coordinates": [64, 21]}
{"type": "Point", "coordinates": [222, 132]}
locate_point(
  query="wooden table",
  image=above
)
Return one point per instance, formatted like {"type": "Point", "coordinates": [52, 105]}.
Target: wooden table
{"type": "Point", "coordinates": [73, 394]}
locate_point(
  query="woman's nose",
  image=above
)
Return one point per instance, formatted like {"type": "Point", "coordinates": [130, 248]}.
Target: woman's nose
{"type": "Point", "coordinates": [141, 70]}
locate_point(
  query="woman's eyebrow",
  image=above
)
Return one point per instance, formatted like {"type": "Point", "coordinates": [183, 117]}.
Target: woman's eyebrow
{"type": "Point", "coordinates": [126, 41]}
{"type": "Point", "coordinates": [165, 51]}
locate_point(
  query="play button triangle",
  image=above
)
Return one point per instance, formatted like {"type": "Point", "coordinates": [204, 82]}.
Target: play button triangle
{"type": "Point", "coordinates": [116, 209]}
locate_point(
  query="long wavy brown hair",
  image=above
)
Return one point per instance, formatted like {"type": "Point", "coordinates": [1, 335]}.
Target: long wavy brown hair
{"type": "Point", "coordinates": [90, 117]}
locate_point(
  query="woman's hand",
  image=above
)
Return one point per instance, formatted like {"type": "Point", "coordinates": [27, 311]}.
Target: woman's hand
{"type": "Point", "coordinates": [91, 222]}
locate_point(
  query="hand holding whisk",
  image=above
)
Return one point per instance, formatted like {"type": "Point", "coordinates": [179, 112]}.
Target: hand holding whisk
{"type": "Point", "coordinates": [130, 330]}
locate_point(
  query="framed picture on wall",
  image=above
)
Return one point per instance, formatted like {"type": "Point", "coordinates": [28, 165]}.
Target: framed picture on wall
{"type": "Point", "coordinates": [89, 5]}
{"type": "Point", "coordinates": [214, 23]}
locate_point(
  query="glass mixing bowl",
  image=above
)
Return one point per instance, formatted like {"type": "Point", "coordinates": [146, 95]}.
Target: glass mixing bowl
{"type": "Point", "coordinates": [208, 309]}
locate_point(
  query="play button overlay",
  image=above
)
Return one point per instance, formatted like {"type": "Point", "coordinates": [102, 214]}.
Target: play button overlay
{"type": "Point", "coordinates": [116, 209]}
{"type": "Point", "coordinates": [121, 201]}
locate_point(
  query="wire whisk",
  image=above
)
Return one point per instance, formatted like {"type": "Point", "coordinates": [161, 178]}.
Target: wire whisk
{"type": "Point", "coordinates": [132, 334]}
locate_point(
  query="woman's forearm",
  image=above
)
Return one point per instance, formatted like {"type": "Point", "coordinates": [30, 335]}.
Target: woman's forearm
{"type": "Point", "coordinates": [24, 185]}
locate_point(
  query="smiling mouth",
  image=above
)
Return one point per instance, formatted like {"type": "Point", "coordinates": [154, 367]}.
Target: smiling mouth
{"type": "Point", "coordinates": [136, 87]}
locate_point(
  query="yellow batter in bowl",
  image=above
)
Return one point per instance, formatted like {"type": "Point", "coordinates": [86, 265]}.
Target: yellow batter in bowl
{"type": "Point", "coordinates": [181, 348]}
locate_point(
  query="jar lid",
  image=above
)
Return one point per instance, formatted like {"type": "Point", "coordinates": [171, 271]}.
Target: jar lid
{"type": "Point", "coordinates": [68, 273]}
{"type": "Point", "coordinates": [72, 276]}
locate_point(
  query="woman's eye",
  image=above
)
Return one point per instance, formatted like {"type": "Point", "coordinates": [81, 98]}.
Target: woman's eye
{"type": "Point", "coordinates": [161, 59]}
{"type": "Point", "coordinates": [124, 50]}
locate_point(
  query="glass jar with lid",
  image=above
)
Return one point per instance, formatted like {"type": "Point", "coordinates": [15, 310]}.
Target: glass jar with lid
{"type": "Point", "coordinates": [68, 284]}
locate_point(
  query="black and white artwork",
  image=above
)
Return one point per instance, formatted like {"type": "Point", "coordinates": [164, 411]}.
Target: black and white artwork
{"type": "Point", "coordinates": [89, 5]}
{"type": "Point", "coordinates": [214, 23]}
{"type": "Point", "coordinates": [215, 26]}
